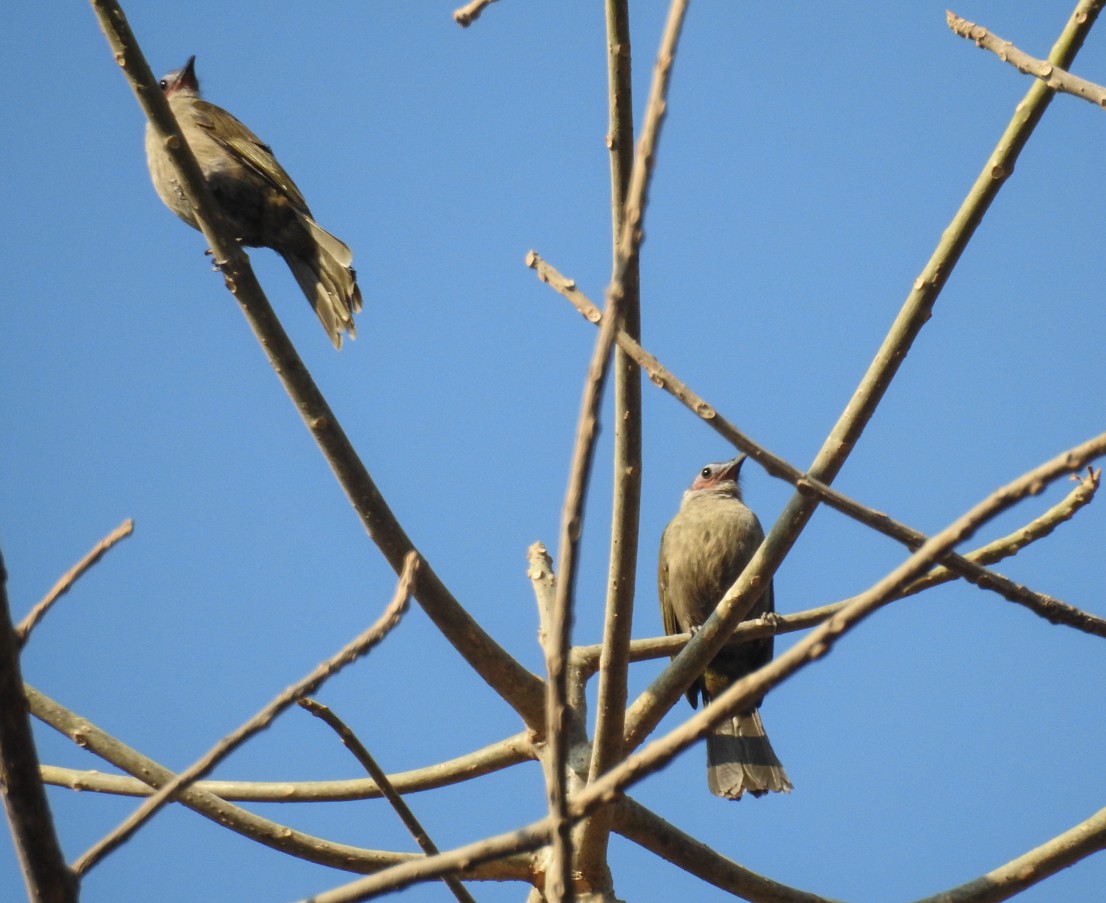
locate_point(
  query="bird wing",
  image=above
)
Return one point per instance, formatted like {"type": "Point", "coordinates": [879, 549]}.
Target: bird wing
{"type": "Point", "coordinates": [248, 149]}
{"type": "Point", "coordinates": [668, 610]}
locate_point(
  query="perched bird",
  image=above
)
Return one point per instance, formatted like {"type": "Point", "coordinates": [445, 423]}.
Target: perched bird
{"type": "Point", "coordinates": [704, 549]}
{"type": "Point", "coordinates": [257, 198]}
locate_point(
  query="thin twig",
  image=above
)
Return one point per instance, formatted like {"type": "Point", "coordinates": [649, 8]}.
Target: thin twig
{"type": "Point", "coordinates": [540, 572]}
{"type": "Point", "coordinates": [1053, 76]}
{"type": "Point", "coordinates": [59, 589]}
{"type": "Point", "coordinates": [202, 798]}
{"type": "Point", "coordinates": [470, 12]}
{"type": "Point", "coordinates": [309, 684]}
{"type": "Point", "coordinates": [611, 693]}
{"type": "Point", "coordinates": [521, 689]}
{"type": "Point", "coordinates": [972, 570]}
{"type": "Point", "coordinates": [46, 876]}
{"type": "Point", "coordinates": [410, 822]}
{"type": "Point", "coordinates": [559, 888]}
{"type": "Point", "coordinates": [487, 760]}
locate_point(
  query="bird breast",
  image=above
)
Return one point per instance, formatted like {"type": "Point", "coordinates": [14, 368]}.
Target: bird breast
{"type": "Point", "coordinates": [705, 547]}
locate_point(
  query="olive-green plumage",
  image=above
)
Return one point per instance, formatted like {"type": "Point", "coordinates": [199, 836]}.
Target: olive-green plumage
{"type": "Point", "coordinates": [258, 199]}
{"type": "Point", "coordinates": [703, 551]}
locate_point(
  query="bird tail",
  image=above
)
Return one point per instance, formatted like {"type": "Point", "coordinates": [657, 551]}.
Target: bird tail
{"type": "Point", "coordinates": [740, 758]}
{"type": "Point", "coordinates": [326, 278]}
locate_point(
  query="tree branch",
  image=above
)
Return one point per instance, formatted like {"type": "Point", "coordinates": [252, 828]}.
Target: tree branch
{"type": "Point", "coordinates": [587, 426]}
{"type": "Point", "coordinates": [494, 757]}
{"type": "Point", "coordinates": [611, 693]}
{"type": "Point", "coordinates": [1053, 76]}
{"type": "Point", "coordinates": [410, 822]}
{"type": "Point", "coordinates": [470, 12]}
{"type": "Point", "coordinates": [59, 589]}
{"type": "Point", "coordinates": [47, 878]}
{"type": "Point", "coordinates": [648, 830]}
{"type": "Point", "coordinates": [150, 774]}
{"type": "Point", "coordinates": [354, 650]}
{"type": "Point", "coordinates": [1030, 868]}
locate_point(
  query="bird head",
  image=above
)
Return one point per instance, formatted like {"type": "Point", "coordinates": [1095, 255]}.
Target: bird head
{"type": "Point", "coordinates": [181, 81]}
{"type": "Point", "coordinates": [721, 477]}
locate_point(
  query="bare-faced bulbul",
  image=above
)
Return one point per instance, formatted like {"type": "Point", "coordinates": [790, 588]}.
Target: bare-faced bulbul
{"type": "Point", "coordinates": [257, 198]}
{"type": "Point", "coordinates": [704, 549]}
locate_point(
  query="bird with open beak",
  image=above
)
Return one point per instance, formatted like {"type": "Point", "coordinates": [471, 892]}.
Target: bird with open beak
{"type": "Point", "coordinates": [704, 549]}
{"type": "Point", "coordinates": [257, 198]}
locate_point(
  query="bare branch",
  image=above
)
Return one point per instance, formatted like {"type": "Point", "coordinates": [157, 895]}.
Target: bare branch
{"type": "Point", "coordinates": [587, 426]}
{"type": "Point", "coordinates": [410, 822]}
{"type": "Point", "coordinates": [59, 589]}
{"type": "Point", "coordinates": [494, 757]}
{"type": "Point", "coordinates": [647, 829]}
{"type": "Point", "coordinates": [47, 878]}
{"type": "Point", "coordinates": [626, 502]}
{"type": "Point", "coordinates": [199, 799]}
{"type": "Point", "coordinates": [310, 684]}
{"type": "Point", "coordinates": [470, 12]}
{"type": "Point", "coordinates": [1053, 76]}
{"type": "Point", "coordinates": [522, 690]}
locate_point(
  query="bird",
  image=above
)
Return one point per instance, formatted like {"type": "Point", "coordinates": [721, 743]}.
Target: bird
{"type": "Point", "coordinates": [703, 551]}
{"type": "Point", "coordinates": [257, 198]}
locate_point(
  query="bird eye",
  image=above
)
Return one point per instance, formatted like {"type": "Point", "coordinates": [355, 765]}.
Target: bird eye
{"type": "Point", "coordinates": [705, 473]}
{"type": "Point", "coordinates": [163, 84]}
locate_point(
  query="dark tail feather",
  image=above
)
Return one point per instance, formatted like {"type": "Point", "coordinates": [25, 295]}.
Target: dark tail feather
{"type": "Point", "coordinates": [328, 282]}
{"type": "Point", "coordinates": [740, 758]}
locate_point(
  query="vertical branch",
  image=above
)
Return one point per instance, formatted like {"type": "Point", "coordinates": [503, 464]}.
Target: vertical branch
{"type": "Point", "coordinates": [626, 506]}
{"type": "Point", "coordinates": [662, 694]}
{"type": "Point", "coordinates": [45, 873]}
{"type": "Point", "coordinates": [559, 886]}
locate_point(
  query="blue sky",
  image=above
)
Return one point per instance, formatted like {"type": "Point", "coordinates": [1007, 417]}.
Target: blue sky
{"type": "Point", "coordinates": [810, 160]}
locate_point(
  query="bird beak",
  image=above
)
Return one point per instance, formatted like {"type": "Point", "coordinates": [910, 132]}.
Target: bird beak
{"type": "Point", "coordinates": [186, 78]}
{"type": "Point", "coordinates": [733, 468]}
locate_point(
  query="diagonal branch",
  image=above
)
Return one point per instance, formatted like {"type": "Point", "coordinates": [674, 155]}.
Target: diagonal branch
{"type": "Point", "coordinates": [522, 690]}
{"type": "Point", "coordinates": [354, 650]}
{"type": "Point", "coordinates": [1011, 879]}
{"type": "Point", "coordinates": [70, 577]}
{"type": "Point", "coordinates": [647, 829]}
{"type": "Point", "coordinates": [1053, 76]}
{"type": "Point", "coordinates": [410, 821]}
{"type": "Point", "coordinates": [200, 798]}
